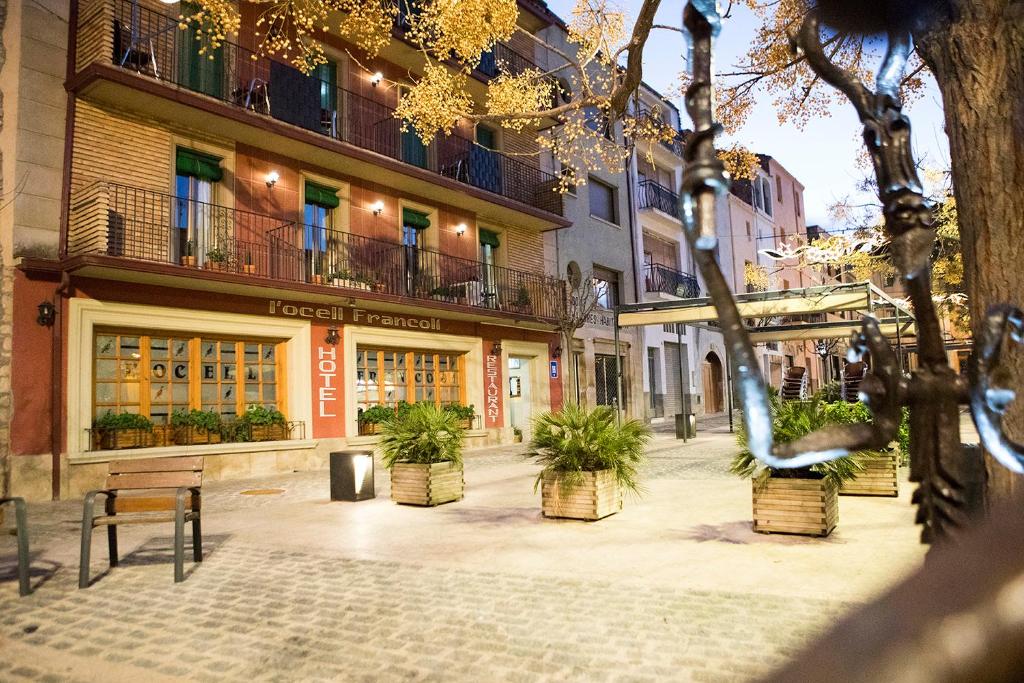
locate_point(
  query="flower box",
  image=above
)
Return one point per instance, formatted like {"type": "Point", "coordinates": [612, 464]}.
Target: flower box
{"type": "Point", "coordinates": [114, 439]}
{"type": "Point", "coordinates": [191, 436]}
{"type": "Point", "coordinates": [879, 478]}
{"type": "Point", "coordinates": [216, 265]}
{"type": "Point", "coordinates": [272, 432]}
{"type": "Point", "coordinates": [162, 435]}
{"type": "Point", "coordinates": [596, 497]}
{"type": "Point", "coordinates": [420, 484]}
{"type": "Point", "coordinates": [795, 506]}
{"type": "Point", "coordinates": [188, 261]}
{"type": "Point", "coordinates": [369, 428]}
{"type": "Point", "coordinates": [350, 284]}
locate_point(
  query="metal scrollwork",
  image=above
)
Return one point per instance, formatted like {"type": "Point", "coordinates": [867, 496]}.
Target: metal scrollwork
{"type": "Point", "coordinates": [951, 476]}
{"type": "Point", "coordinates": [988, 402]}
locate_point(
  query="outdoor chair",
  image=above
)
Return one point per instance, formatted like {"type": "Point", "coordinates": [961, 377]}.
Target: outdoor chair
{"type": "Point", "coordinates": [793, 384]}
{"type": "Point", "coordinates": [21, 531]}
{"type": "Point", "coordinates": [143, 492]}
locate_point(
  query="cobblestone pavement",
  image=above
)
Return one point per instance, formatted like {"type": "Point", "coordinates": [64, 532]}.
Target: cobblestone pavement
{"type": "Point", "coordinates": [676, 587]}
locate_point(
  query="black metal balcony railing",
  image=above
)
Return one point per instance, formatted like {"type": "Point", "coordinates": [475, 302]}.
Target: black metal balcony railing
{"type": "Point", "coordinates": [116, 220]}
{"type": "Point", "coordinates": [655, 196]}
{"type": "Point", "coordinates": [659, 278]}
{"type": "Point", "coordinates": [152, 43]}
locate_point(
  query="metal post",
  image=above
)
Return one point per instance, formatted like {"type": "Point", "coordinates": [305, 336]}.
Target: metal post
{"type": "Point", "coordinates": [728, 384]}
{"type": "Point", "coordinates": [899, 340]}
{"type": "Point", "coordinates": [618, 373]}
{"type": "Point", "coordinates": [682, 381]}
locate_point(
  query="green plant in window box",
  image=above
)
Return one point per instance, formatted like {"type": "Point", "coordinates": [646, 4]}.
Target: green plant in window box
{"type": "Point", "coordinates": [196, 427]}
{"type": "Point", "coordinates": [343, 278]}
{"type": "Point", "coordinates": [217, 258]}
{"type": "Point", "coordinates": [423, 449]}
{"type": "Point", "coordinates": [121, 430]}
{"type": "Point", "coordinates": [264, 424]}
{"type": "Point", "coordinates": [464, 413]}
{"type": "Point", "coordinates": [371, 419]}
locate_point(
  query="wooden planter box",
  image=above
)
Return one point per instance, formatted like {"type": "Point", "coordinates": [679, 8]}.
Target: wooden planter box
{"type": "Point", "coordinates": [163, 435]}
{"type": "Point", "coordinates": [190, 436]}
{"type": "Point", "coordinates": [369, 428]}
{"type": "Point", "coordinates": [879, 477]}
{"type": "Point", "coordinates": [350, 284]}
{"type": "Point", "coordinates": [795, 506]}
{"type": "Point", "coordinates": [115, 439]}
{"type": "Point", "coordinates": [415, 484]}
{"type": "Point", "coordinates": [275, 432]}
{"type": "Point", "coordinates": [596, 497]}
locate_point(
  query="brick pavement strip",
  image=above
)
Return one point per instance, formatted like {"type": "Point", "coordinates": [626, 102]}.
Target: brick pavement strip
{"type": "Point", "coordinates": [247, 614]}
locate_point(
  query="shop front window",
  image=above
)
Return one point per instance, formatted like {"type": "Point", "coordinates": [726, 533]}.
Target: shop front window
{"type": "Point", "coordinates": [389, 376]}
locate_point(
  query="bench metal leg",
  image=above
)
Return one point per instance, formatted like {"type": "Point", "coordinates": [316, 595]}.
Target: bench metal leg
{"type": "Point", "coordinates": [197, 539]}
{"type": "Point", "coordinates": [83, 560]}
{"type": "Point", "coordinates": [21, 525]}
{"type": "Point", "coordinates": [179, 542]}
{"type": "Point", "coordinates": [112, 543]}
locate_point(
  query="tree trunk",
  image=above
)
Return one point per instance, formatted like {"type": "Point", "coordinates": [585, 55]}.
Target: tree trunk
{"type": "Point", "coordinates": [978, 61]}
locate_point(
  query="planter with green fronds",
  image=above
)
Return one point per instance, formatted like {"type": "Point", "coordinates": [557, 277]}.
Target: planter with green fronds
{"type": "Point", "coordinates": [880, 476]}
{"type": "Point", "coordinates": [588, 459]}
{"type": "Point", "coordinates": [196, 427]}
{"type": "Point", "coordinates": [422, 447]}
{"type": "Point", "coordinates": [121, 430]}
{"type": "Point", "coordinates": [799, 500]}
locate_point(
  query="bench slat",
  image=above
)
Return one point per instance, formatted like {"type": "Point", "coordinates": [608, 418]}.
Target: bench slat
{"type": "Point", "coordinates": [151, 503]}
{"type": "Point", "coordinates": [154, 480]}
{"type": "Point", "coordinates": [179, 464]}
{"type": "Point", "coordinates": [150, 518]}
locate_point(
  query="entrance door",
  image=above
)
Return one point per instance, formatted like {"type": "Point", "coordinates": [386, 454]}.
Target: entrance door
{"type": "Point", "coordinates": [714, 401]}
{"type": "Point", "coordinates": [518, 393]}
{"type": "Point", "coordinates": [654, 384]}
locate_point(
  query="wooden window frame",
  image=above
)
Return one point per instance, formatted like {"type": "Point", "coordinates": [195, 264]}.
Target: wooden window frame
{"type": "Point", "coordinates": [410, 374]}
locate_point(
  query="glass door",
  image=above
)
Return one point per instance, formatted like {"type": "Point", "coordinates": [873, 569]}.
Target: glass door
{"type": "Point", "coordinates": [192, 241]}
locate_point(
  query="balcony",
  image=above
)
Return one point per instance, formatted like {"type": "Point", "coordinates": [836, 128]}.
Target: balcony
{"type": "Point", "coordinates": [659, 279]}
{"type": "Point", "coordinates": [139, 39]}
{"type": "Point", "coordinates": [651, 195]}
{"type": "Point", "coordinates": [108, 219]}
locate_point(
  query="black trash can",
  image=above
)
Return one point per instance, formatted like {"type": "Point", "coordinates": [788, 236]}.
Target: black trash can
{"type": "Point", "coordinates": [687, 422]}
{"type": "Point", "coordinates": [352, 475]}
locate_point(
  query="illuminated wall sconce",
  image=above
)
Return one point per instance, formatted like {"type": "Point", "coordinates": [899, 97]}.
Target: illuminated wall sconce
{"type": "Point", "coordinates": [377, 207]}
{"type": "Point", "coordinates": [460, 229]}
{"type": "Point", "coordinates": [272, 178]}
{"type": "Point", "coordinates": [496, 349]}
{"type": "Point", "coordinates": [352, 475]}
{"type": "Point", "coordinates": [332, 337]}
{"type": "Point", "coordinates": [47, 314]}
{"type": "Point", "coordinates": [376, 78]}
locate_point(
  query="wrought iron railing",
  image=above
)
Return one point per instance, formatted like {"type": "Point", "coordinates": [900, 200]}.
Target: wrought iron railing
{"type": "Point", "coordinates": [659, 278]}
{"type": "Point", "coordinates": [343, 259]}
{"type": "Point", "coordinates": [503, 59]}
{"type": "Point", "coordinates": [651, 195]}
{"type": "Point", "coordinates": [152, 43]}
{"type": "Point", "coordinates": [117, 220]}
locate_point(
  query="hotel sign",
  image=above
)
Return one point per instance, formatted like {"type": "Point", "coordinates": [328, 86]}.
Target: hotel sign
{"type": "Point", "coordinates": [353, 316]}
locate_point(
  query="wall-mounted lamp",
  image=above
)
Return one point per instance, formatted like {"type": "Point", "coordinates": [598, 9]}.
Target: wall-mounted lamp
{"type": "Point", "coordinates": [272, 178]}
{"type": "Point", "coordinates": [377, 207]}
{"type": "Point", "coordinates": [460, 229]}
{"type": "Point", "coordinates": [332, 337]}
{"type": "Point", "coordinates": [496, 349]}
{"type": "Point", "coordinates": [47, 314]}
{"type": "Point", "coordinates": [376, 78]}
{"type": "Point", "coordinates": [557, 352]}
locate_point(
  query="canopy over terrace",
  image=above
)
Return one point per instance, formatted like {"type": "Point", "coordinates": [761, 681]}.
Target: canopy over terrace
{"type": "Point", "coordinates": [863, 297]}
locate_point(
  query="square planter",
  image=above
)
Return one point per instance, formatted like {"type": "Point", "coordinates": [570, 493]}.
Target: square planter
{"type": "Point", "coordinates": [188, 261]}
{"type": "Point", "coordinates": [114, 439]}
{"type": "Point", "coordinates": [879, 478]}
{"type": "Point", "coordinates": [163, 435]}
{"type": "Point", "coordinates": [275, 432]}
{"type": "Point", "coordinates": [795, 506]}
{"type": "Point", "coordinates": [597, 496]}
{"type": "Point", "coordinates": [415, 484]}
{"type": "Point", "coordinates": [368, 428]}
{"type": "Point", "coordinates": [189, 436]}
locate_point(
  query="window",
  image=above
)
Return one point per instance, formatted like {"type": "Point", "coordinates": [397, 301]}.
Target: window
{"type": "Point", "coordinates": [605, 380]}
{"type": "Point", "coordinates": [758, 196]}
{"type": "Point", "coordinates": [201, 231]}
{"type": "Point", "coordinates": [767, 190]}
{"type": "Point", "coordinates": [606, 287]}
{"type": "Point", "coordinates": [486, 137]}
{"type": "Point", "coordinates": [598, 122]}
{"type": "Point", "coordinates": [318, 233]}
{"type": "Point", "coordinates": [489, 244]}
{"type": "Point", "coordinates": [778, 187]}
{"type": "Point", "coordinates": [200, 67]}
{"type": "Point", "coordinates": [387, 376]}
{"type": "Point", "coordinates": [155, 375]}
{"type": "Point", "coordinates": [327, 75]}
{"type": "Point", "coordinates": [414, 226]}
{"type": "Point", "coordinates": [602, 201]}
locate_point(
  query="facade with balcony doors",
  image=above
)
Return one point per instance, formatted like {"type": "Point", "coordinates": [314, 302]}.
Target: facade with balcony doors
{"type": "Point", "coordinates": [237, 235]}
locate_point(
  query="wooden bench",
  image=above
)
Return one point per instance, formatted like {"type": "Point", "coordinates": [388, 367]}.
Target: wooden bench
{"type": "Point", "coordinates": [143, 492]}
{"type": "Point", "coordinates": [21, 531]}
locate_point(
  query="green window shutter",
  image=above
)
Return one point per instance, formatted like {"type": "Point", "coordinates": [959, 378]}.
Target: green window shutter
{"type": "Point", "coordinates": [488, 237]}
{"type": "Point", "coordinates": [198, 165]}
{"type": "Point", "coordinates": [415, 219]}
{"type": "Point", "coordinates": [321, 195]}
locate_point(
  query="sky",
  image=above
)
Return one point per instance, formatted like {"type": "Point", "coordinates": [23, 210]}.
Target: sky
{"type": "Point", "coordinates": [823, 154]}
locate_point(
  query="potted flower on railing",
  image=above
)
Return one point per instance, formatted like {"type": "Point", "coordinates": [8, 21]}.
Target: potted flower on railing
{"type": "Point", "coordinates": [798, 500]}
{"type": "Point", "coordinates": [423, 450]}
{"type": "Point", "coordinates": [196, 427]}
{"type": "Point", "coordinates": [121, 430]}
{"type": "Point", "coordinates": [189, 257]}
{"type": "Point", "coordinates": [264, 424]}
{"type": "Point", "coordinates": [464, 413]}
{"type": "Point", "coordinates": [217, 259]}
{"type": "Point", "coordinates": [248, 267]}
{"type": "Point", "coordinates": [588, 460]}
{"type": "Point", "coordinates": [343, 278]}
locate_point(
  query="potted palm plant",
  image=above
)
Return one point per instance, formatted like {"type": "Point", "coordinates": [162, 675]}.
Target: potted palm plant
{"type": "Point", "coordinates": [423, 450]}
{"type": "Point", "coordinates": [196, 427]}
{"type": "Point", "coordinates": [121, 430]}
{"type": "Point", "coordinates": [798, 500]}
{"type": "Point", "coordinates": [589, 460]}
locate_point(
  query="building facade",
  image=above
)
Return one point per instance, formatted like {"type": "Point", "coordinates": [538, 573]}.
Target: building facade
{"type": "Point", "coordinates": [227, 232]}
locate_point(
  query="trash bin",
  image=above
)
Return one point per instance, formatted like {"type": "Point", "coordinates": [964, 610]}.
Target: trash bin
{"type": "Point", "coordinates": [687, 422]}
{"type": "Point", "coordinates": [352, 475]}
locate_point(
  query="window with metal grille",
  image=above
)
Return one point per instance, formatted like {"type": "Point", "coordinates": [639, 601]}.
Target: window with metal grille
{"type": "Point", "coordinates": [605, 380]}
